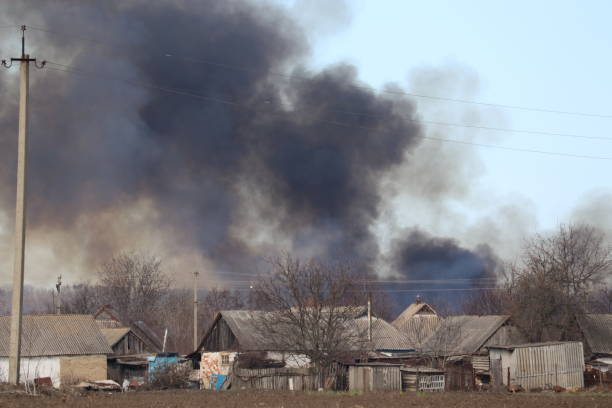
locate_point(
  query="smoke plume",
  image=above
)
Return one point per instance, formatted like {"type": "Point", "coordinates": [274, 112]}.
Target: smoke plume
{"type": "Point", "coordinates": [194, 130]}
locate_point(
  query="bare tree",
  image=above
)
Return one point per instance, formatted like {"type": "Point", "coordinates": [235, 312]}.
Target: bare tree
{"type": "Point", "coordinates": [488, 302]}
{"type": "Point", "coordinates": [554, 279]}
{"type": "Point", "coordinates": [307, 311]}
{"type": "Point", "coordinates": [176, 314]}
{"type": "Point", "coordinates": [134, 284]}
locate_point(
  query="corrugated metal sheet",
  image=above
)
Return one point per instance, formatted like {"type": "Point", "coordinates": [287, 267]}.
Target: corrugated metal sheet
{"type": "Point", "coordinates": [418, 328]}
{"type": "Point", "coordinates": [244, 326]}
{"type": "Point", "coordinates": [384, 335]}
{"type": "Point", "coordinates": [367, 378]}
{"type": "Point", "coordinates": [412, 310]}
{"type": "Point", "coordinates": [597, 331]}
{"type": "Point", "coordinates": [113, 335]}
{"type": "Point", "coordinates": [56, 335]}
{"type": "Point", "coordinates": [462, 335]}
{"type": "Point", "coordinates": [541, 365]}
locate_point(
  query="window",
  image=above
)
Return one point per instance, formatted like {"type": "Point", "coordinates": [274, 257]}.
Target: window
{"type": "Point", "coordinates": [225, 359]}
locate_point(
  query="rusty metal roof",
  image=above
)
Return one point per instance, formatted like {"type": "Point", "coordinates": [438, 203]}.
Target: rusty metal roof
{"type": "Point", "coordinates": [597, 331]}
{"type": "Point", "coordinates": [55, 335]}
{"type": "Point", "coordinates": [463, 335]}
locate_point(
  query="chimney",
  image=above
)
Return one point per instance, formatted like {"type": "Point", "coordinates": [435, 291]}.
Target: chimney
{"type": "Point", "coordinates": [418, 299]}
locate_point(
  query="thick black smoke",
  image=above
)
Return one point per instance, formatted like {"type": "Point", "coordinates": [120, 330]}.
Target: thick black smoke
{"type": "Point", "coordinates": [285, 149]}
{"type": "Point", "coordinates": [420, 259]}
{"type": "Point", "coordinates": [253, 153]}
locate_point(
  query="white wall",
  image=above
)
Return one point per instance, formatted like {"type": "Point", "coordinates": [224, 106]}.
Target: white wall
{"type": "Point", "coordinates": [33, 367]}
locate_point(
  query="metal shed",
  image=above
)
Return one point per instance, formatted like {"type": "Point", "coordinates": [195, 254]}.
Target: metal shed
{"type": "Point", "coordinates": [375, 377]}
{"type": "Point", "coordinates": [538, 365]}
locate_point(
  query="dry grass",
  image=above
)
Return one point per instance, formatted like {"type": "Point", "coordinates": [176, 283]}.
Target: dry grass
{"type": "Point", "coordinates": [260, 399]}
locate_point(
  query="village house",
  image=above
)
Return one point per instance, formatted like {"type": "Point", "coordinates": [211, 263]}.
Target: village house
{"type": "Point", "coordinates": [460, 344]}
{"type": "Point", "coordinates": [65, 348]}
{"type": "Point", "coordinates": [417, 322]}
{"type": "Point", "coordinates": [124, 338]}
{"type": "Point", "coordinates": [133, 346]}
{"type": "Point", "coordinates": [596, 335]}
{"type": "Point", "coordinates": [235, 332]}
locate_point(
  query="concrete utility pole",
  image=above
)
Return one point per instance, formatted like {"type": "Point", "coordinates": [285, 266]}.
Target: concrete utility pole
{"type": "Point", "coordinates": [20, 210]}
{"type": "Point", "coordinates": [195, 310]}
{"type": "Point", "coordinates": [58, 304]}
{"type": "Point", "coordinates": [370, 317]}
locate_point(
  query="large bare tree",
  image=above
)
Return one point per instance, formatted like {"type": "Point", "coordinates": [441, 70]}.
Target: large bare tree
{"type": "Point", "coordinates": [309, 311]}
{"type": "Point", "coordinates": [554, 279]}
{"type": "Point", "coordinates": [134, 284]}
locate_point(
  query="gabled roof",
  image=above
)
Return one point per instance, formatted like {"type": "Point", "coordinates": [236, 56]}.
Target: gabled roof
{"type": "Point", "coordinates": [55, 335]}
{"type": "Point", "coordinates": [463, 335]}
{"type": "Point", "coordinates": [243, 324]}
{"type": "Point", "coordinates": [384, 335]}
{"type": "Point", "coordinates": [597, 331]}
{"type": "Point", "coordinates": [411, 311]}
{"type": "Point", "coordinates": [113, 335]}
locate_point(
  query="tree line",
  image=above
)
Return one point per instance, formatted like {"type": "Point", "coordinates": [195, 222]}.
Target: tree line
{"type": "Point", "coordinates": [556, 277]}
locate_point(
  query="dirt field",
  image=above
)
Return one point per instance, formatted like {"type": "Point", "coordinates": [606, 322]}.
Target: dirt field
{"type": "Point", "coordinates": [244, 399]}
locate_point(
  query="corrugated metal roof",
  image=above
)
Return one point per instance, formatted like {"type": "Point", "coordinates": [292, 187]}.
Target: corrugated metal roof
{"type": "Point", "coordinates": [412, 310]}
{"type": "Point", "coordinates": [597, 331]}
{"type": "Point", "coordinates": [113, 335]}
{"type": "Point", "coordinates": [243, 324]}
{"type": "Point", "coordinates": [526, 345]}
{"type": "Point", "coordinates": [55, 335]}
{"type": "Point", "coordinates": [462, 335]}
{"type": "Point", "coordinates": [384, 335]}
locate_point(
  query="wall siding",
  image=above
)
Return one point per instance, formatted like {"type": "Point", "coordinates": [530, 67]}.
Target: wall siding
{"type": "Point", "coordinates": [543, 366]}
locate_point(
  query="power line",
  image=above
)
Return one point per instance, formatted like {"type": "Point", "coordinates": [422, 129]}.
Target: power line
{"type": "Point", "coordinates": [305, 78]}
{"type": "Point", "coordinates": [184, 92]}
{"type": "Point", "coordinates": [419, 121]}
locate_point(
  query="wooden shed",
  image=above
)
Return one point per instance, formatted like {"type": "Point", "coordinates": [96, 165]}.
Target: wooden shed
{"type": "Point", "coordinates": [422, 379]}
{"type": "Point", "coordinates": [374, 377]}
{"type": "Point", "coordinates": [539, 365]}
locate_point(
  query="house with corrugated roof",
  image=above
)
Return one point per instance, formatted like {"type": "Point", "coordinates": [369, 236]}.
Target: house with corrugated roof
{"type": "Point", "coordinates": [66, 348]}
{"type": "Point", "coordinates": [460, 343]}
{"type": "Point", "coordinates": [596, 332]}
{"type": "Point", "coordinates": [235, 332]}
{"type": "Point", "coordinates": [125, 339]}
{"type": "Point", "coordinates": [417, 322]}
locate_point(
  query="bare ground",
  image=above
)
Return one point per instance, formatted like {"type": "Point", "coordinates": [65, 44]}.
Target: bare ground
{"type": "Point", "coordinates": [261, 399]}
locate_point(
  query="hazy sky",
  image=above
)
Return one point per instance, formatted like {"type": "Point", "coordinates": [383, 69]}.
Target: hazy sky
{"type": "Point", "coordinates": [546, 54]}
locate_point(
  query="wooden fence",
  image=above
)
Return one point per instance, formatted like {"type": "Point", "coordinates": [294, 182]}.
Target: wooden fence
{"type": "Point", "coordinates": [290, 379]}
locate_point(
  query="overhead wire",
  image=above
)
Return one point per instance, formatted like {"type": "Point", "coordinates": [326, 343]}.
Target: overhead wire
{"type": "Point", "coordinates": [358, 86]}
{"type": "Point", "coordinates": [190, 93]}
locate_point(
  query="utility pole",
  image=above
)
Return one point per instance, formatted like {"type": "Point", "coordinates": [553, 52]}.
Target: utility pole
{"type": "Point", "coordinates": [58, 286]}
{"type": "Point", "coordinates": [20, 210]}
{"type": "Point", "coordinates": [370, 317]}
{"type": "Point", "coordinates": [195, 310]}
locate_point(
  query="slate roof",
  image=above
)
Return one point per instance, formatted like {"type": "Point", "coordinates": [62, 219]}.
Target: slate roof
{"type": "Point", "coordinates": [597, 331]}
{"type": "Point", "coordinates": [113, 335]}
{"type": "Point", "coordinates": [384, 335]}
{"type": "Point", "coordinates": [243, 324]}
{"type": "Point", "coordinates": [55, 335]}
{"type": "Point", "coordinates": [463, 335]}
